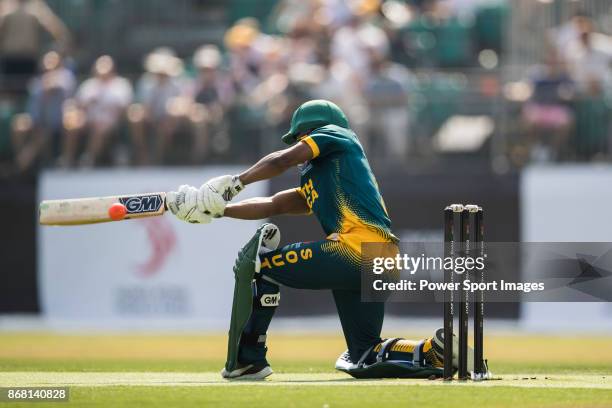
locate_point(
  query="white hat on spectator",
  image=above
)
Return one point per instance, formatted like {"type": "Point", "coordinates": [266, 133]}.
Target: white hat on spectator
{"type": "Point", "coordinates": [374, 39]}
{"type": "Point", "coordinates": [163, 61]}
{"type": "Point", "coordinates": [207, 56]}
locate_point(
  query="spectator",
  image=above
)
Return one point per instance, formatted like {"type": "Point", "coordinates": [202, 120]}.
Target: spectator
{"type": "Point", "coordinates": [352, 42]}
{"type": "Point", "coordinates": [213, 95]}
{"type": "Point", "coordinates": [547, 114]}
{"type": "Point", "coordinates": [351, 47]}
{"type": "Point", "coordinates": [242, 41]}
{"type": "Point", "coordinates": [589, 57]}
{"type": "Point", "coordinates": [567, 33]}
{"type": "Point", "coordinates": [38, 132]}
{"type": "Point", "coordinates": [96, 113]}
{"type": "Point", "coordinates": [156, 115]}
{"type": "Point", "coordinates": [270, 95]}
{"type": "Point", "coordinates": [338, 86]}
{"type": "Point", "coordinates": [387, 97]}
{"type": "Point", "coordinates": [258, 68]}
{"type": "Point", "coordinates": [289, 14]}
{"type": "Point", "coordinates": [21, 24]}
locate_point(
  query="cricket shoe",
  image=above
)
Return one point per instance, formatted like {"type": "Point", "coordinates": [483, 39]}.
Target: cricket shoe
{"type": "Point", "coordinates": [344, 362]}
{"type": "Point", "coordinates": [248, 372]}
{"type": "Point", "coordinates": [437, 342]}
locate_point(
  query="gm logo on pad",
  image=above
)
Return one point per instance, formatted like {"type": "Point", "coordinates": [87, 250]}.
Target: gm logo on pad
{"type": "Point", "coordinates": [270, 300]}
{"type": "Point", "coordinates": [142, 204]}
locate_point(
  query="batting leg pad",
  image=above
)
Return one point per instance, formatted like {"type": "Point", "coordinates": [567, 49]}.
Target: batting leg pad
{"type": "Point", "coordinates": [379, 365]}
{"type": "Point", "coordinates": [247, 264]}
{"type": "Point", "coordinates": [266, 299]}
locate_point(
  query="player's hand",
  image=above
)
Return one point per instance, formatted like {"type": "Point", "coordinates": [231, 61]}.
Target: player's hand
{"type": "Point", "coordinates": [228, 186]}
{"type": "Point", "coordinates": [183, 204]}
{"type": "Point", "coordinates": [210, 202]}
{"type": "Point", "coordinates": [214, 195]}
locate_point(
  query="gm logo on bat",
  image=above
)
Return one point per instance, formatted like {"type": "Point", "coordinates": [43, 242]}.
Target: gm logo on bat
{"type": "Point", "coordinates": [142, 204]}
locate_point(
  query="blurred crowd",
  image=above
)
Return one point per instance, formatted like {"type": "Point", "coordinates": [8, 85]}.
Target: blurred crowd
{"type": "Point", "coordinates": [566, 99]}
{"type": "Point", "coordinates": [231, 100]}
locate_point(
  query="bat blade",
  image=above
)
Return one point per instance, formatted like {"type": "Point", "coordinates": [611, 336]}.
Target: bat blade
{"type": "Point", "coordinates": [93, 210]}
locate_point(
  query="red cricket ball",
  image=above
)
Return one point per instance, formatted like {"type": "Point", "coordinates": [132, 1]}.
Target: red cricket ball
{"type": "Point", "coordinates": [117, 212]}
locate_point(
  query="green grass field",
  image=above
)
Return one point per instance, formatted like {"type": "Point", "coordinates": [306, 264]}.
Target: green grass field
{"type": "Point", "coordinates": [175, 371]}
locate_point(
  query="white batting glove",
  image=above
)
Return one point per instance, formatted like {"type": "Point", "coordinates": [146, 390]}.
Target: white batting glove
{"type": "Point", "coordinates": [198, 217]}
{"type": "Point", "coordinates": [210, 202]}
{"type": "Point", "coordinates": [214, 195]}
{"type": "Point", "coordinates": [183, 204]}
{"type": "Point", "coordinates": [176, 200]}
{"type": "Point", "coordinates": [228, 186]}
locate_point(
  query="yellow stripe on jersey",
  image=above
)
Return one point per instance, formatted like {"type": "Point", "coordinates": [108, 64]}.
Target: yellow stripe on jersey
{"type": "Point", "coordinates": [301, 193]}
{"type": "Point", "coordinates": [354, 231]}
{"type": "Point", "coordinates": [313, 146]}
{"type": "Point", "coordinates": [336, 247]}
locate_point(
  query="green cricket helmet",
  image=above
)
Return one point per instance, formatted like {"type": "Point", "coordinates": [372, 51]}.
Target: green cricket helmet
{"type": "Point", "coordinates": [314, 114]}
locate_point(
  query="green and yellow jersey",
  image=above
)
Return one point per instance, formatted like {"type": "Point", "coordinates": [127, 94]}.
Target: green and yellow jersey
{"type": "Point", "coordinates": [341, 191]}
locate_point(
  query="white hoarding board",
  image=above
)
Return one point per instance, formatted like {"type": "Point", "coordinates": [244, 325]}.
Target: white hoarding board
{"type": "Point", "coordinates": [152, 273]}
{"type": "Point", "coordinates": [566, 204]}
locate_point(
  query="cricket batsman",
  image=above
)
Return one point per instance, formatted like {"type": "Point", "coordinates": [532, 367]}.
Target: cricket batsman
{"type": "Point", "coordinates": [338, 187]}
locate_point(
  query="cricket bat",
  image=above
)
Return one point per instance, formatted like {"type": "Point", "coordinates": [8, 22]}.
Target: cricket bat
{"type": "Point", "coordinates": [82, 211]}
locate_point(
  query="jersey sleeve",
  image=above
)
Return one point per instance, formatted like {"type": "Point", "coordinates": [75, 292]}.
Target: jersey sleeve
{"type": "Point", "coordinates": [323, 144]}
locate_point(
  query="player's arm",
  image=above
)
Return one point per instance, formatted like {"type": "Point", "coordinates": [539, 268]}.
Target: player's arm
{"type": "Point", "coordinates": [212, 197]}
{"type": "Point", "coordinates": [284, 202]}
{"type": "Point", "coordinates": [277, 163]}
